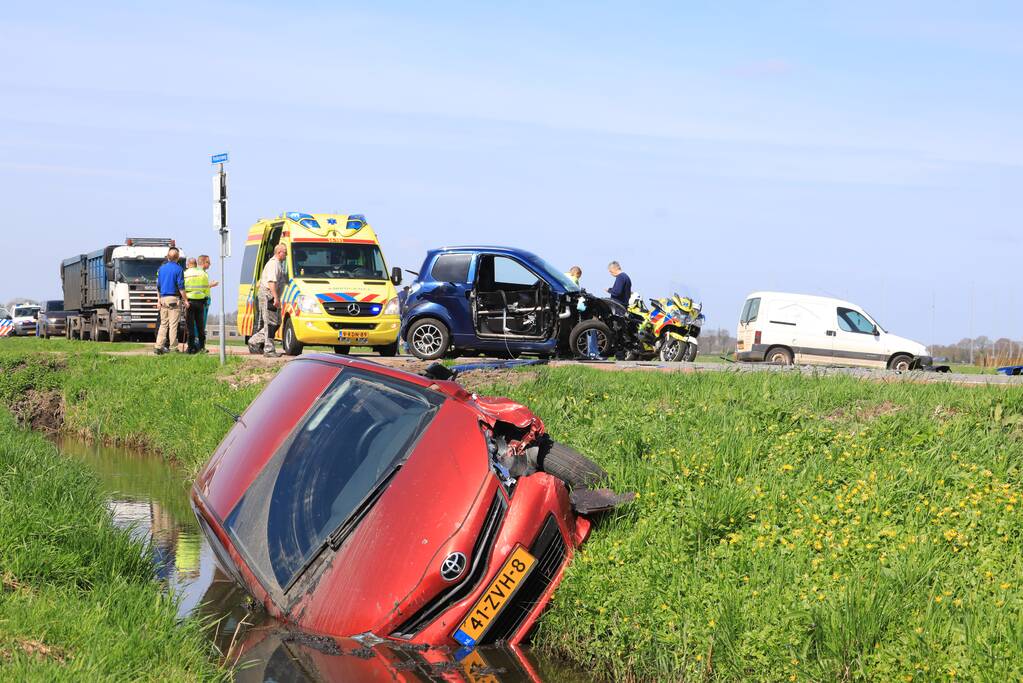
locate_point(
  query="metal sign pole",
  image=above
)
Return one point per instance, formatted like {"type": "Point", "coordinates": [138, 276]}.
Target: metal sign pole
{"type": "Point", "coordinates": [220, 223]}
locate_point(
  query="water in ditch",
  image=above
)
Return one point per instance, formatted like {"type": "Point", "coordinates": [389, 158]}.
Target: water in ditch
{"type": "Point", "coordinates": [150, 498]}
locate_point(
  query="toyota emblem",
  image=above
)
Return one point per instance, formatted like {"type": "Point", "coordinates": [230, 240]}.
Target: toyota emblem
{"type": "Point", "coordinates": [353, 309]}
{"type": "Point", "coordinates": [453, 566]}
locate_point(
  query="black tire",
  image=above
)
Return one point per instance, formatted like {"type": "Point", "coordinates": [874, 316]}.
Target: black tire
{"type": "Point", "coordinates": [428, 338]}
{"type": "Point", "coordinates": [292, 346]}
{"type": "Point", "coordinates": [779, 355]}
{"type": "Point", "coordinates": [342, 349]}
{"type": "Point", "coordinates": [577, 339]}
{"type": "Point", "coordinates": [900, 362]}
{"type": "Point", "coordinates": [571, 467]}
{"type": "Point", "coordinates": [691, 351]}
{"type": "Point", "coordinates": [389, 350]}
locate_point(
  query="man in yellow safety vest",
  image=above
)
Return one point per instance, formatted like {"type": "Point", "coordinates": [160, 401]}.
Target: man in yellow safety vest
{"type": "Point", "coordinates": [197, 289]}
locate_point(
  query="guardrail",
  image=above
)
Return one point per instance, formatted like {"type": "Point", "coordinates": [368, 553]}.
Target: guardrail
{"type": "Point", "coordinates": [213, 331]}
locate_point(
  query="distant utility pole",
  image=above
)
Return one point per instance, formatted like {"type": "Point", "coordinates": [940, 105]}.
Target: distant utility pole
{"type": "Point", "coordinates": [934, 306]}
{"type": "Point", "coordinates": [220, 224]}
{"type": "Point", "coordinates": [971, 323]}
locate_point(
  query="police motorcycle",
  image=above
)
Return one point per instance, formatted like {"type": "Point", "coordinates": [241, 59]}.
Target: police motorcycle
{"type": "Point", "coordinates": [670, 328]}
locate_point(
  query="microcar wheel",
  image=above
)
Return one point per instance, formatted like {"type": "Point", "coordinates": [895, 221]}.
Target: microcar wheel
{"type": "Point", "coordinates": [578, 340]}
{"type": "Point", "coordinates": [779, 355]}
{"type": "Point", "coordinates": [900, 362]}
{"type": "Point", "coordinates": [428, 339]}
{"type": "Point", "coordinates": [292, 346]}
{"type": "Point", "coordinates": [571, 467]}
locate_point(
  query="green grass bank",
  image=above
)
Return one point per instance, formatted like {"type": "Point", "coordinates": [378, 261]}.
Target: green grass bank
{"type": "Point", "coordinates": [77, 596]}
{"type": "Point", "coordinates": [789, 527]}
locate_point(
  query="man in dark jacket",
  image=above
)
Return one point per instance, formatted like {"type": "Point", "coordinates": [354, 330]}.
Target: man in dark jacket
{"type": "Point", "coordinates": [621, 290]}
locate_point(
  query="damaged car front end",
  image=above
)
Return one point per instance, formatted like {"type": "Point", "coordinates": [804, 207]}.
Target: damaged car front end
{"type": "Point", "coordinates": [352, 499]}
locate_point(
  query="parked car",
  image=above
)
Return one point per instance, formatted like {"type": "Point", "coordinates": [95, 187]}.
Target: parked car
{"type": "Point", "coordinates": [779, 327]}
{"type": "Point", "coordinates": [51, 321]}
{"type": "Point", "coordinates": [504, 301]}
{"type": "Point", "coordinates": [353, 498]}
{"type": "Point", "coordinates": [6, 323]}
{"type": "Point", "coordinates": [24, 319]}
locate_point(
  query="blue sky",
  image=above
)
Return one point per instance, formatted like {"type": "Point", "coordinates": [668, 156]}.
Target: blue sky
{"type": "Point", "coordinates": [866, 151]}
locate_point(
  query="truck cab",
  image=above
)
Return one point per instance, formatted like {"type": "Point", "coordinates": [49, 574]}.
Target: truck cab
{"type": "Point", "coordinates": [338, 292]}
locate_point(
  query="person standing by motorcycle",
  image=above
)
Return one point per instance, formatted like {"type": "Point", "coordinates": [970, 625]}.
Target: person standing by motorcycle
{"type": "Point", "coordinates": [621, 290]}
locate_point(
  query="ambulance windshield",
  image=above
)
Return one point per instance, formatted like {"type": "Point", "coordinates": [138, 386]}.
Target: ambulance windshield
{"type": "Point", "coordinates": [343, 261]}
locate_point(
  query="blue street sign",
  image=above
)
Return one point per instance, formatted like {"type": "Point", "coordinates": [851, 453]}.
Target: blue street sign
{"type": "Point", "coordinates": [219, 158]}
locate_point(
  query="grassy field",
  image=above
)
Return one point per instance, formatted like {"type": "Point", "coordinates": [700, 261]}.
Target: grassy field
{"type": "Point", "coordinates": [78, 600]}
{"type": "Point", "coordinates": [793, 528]}
{"type": "Point", "coordinates": [788, 527]}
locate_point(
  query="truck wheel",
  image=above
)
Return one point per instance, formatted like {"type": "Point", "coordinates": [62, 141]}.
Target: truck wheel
{"type": "Point", "coordinates": [571, 466]}
{"type": "Point", "coordinates": [292, 346]}
{"type": "Point", "coordinates": [428, 338]}
{"type": "Point", "coordinates": [900, 362]}
{"type": "Point", "coordinates": [578, 339]}
{"type": "Point", "coordinates": [389, 350]}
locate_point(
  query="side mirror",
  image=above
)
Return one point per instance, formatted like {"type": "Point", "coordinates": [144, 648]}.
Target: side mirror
{"type": "Point", "coordinates": [877, 332]}
{"type": "Point", "coordinates": [396, 276]}
{"type": "Point", "coordinates": [110, 273]}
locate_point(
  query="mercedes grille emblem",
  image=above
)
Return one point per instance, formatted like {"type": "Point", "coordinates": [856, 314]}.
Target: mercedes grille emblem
{"type": "Point", "coordinates": [454, 565]}
{"type": "Point", "coordinates": [353, 309]}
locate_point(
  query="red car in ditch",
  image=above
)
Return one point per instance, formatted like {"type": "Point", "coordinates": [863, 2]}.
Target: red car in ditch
{"type": "Point", "coordinates": [353, 499]}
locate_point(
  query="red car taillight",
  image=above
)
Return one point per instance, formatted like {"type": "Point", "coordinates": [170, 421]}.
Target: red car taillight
{"type": "Point", "coordinates": [756, 337]}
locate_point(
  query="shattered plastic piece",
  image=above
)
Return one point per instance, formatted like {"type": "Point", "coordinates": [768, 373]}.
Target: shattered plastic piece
{"type": "Point", "coordinates": [588, 501]}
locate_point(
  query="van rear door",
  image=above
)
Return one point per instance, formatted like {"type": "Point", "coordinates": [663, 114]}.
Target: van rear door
{"type": "Point", "coordinates": [744, 334]}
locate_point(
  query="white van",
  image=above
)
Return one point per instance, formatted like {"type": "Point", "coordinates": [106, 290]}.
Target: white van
{"type": "Point", "coordinates": [778, 327]}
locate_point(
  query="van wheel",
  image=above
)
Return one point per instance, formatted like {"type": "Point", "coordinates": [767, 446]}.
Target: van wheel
{"type": "Point", "coordinates": [428, 338]}
{"type": "Point", "coordinates": [342, 349]}
{"type": "Point", "coordinates": [900, 362]}
{"type": "Point", "coordinates": [292, 346]}
{"type": "Point", "coordinates": [389, 350]}
{"type": "Point", "coordinates": [779, 355]}
{"type": "Point", "coordinates": [571, 466]}
{"type": "Point", "coordinates": [578, 339]}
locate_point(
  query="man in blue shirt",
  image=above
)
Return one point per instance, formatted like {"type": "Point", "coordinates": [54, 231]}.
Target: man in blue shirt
{"type": "Point", "coordinates": [170, 280]}
{"type": "Point", "coordinates": [621, 290]}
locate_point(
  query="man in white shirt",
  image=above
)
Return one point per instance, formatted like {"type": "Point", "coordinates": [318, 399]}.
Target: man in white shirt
{"type": "Point", "coordinates": [271, 286]}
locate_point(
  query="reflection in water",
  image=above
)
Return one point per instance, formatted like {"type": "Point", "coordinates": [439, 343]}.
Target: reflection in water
{"type": "Point", "coordinates": [150, 498]}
